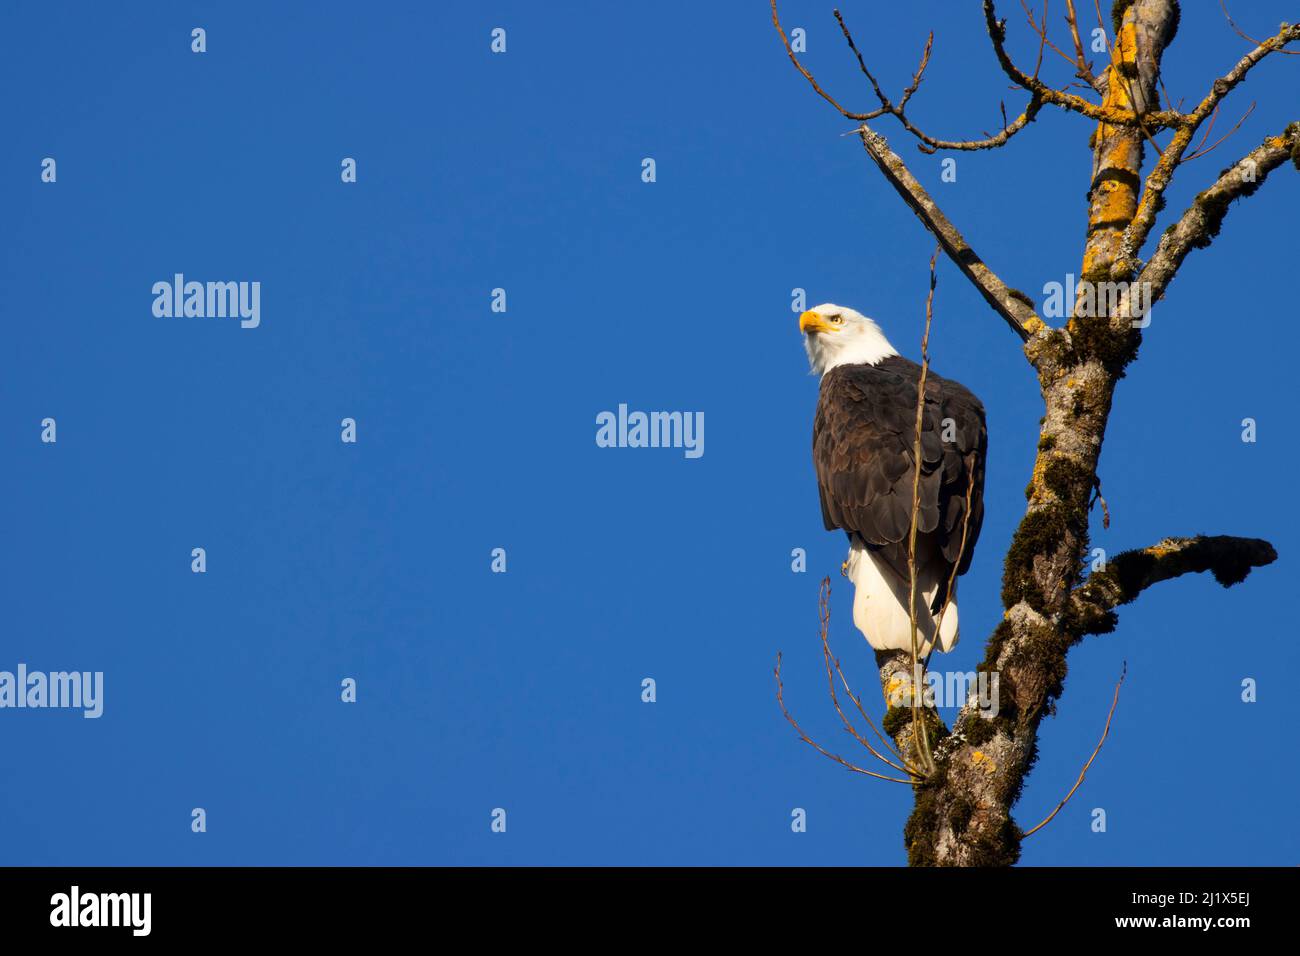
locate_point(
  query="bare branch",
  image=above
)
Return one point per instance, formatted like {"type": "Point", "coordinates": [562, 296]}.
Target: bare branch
{"type": "Point", "coordinates": [1128, 574]}
{"type": "Point", "coordinates": [920, 71]}
{"type": "Point", "coordinates": [1200, 223]}
{"type": "Point", "coordinates": [1083, 69]}
{"type": "Point", "coordinates": [1243, 34]}
{"type": "Point", "coordinates": [1230, 80]}
{"type": "Point", "coordinates": [1103, 114]}
{"type": "Point", "coordinates": [1017, 311]}
{"type": "Point", "coordinates": [1042, 35]}
{"type": "Point", "coordinates": [926, 143]}
{"type": "Point", "coordinates": [789, 50]}
{"type": "Point", "coordinates": [1085, 72]}
{"type": "Point", "coordinates": [1172, 155]}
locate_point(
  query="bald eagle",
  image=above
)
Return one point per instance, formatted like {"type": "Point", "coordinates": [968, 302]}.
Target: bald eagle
{"type": "Point", "coordinates": [864, 438]}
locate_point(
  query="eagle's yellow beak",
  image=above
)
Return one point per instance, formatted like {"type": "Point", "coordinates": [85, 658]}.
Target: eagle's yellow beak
{"type": "Point", "coordinates": [811, 322]}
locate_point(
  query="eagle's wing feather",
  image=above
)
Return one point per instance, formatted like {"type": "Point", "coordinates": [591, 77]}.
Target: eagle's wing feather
{"type": "Point", "coordinates": [864, 448]}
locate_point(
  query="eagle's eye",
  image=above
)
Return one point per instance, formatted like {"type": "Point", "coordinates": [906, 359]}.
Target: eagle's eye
{"type": "Point", "coordinates": [837, 319]}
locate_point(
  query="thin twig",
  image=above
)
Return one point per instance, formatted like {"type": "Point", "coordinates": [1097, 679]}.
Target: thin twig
{"type": "Point", "coordinates": [1044, 40]}
{"type": "Point", "coordinates": [926, 143]}
{"type": "Point", "coordinates": [824, 611]}
{"type": "Point", "coordinates": [1097, 497]}
{"type": "Point", "coordinates": [780, 699]}
{"type": "Point", "coordinates": [847, 114]}
{"type": "Point", "coordinates": [961, 552]}
{"type": "Point", "coordinates": [1243, 34]}
{"type": "Point", "coordinates": [1042, 36]}
{"type": "Point", "coordinates": [857, 701]}
{"type": "Point", "coordinates": [1096, 750]}
{"type": "Point", "coordinates": [1085, 67]}
{"type": "Point", "coordinates": [919, 732]}
{"type": "Point", "coordinates": [1202, 151]}
{"type": "Point", "coordinates": [920, 71]}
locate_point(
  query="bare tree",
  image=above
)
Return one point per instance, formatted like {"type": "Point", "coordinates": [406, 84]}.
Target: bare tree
{"type": "Point", "coordinates": [965, 788]}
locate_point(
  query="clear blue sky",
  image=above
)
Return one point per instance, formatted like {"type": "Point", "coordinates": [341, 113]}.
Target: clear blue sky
{"type": "Point", "coordinates": [476, 431]}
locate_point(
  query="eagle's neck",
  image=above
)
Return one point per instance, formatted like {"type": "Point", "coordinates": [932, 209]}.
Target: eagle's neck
{"type": "Point", "coordinates": [866, 347]}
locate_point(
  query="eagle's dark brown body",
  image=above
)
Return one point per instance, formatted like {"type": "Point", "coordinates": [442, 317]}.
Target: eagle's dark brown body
{"type": "Point", "coordinates": [864, 437]}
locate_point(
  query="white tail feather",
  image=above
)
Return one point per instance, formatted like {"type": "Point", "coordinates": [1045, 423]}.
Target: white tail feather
{"type": "Point", "coordinates": [880, 604]}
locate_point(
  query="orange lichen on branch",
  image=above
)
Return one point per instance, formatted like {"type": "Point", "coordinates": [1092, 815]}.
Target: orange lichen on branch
{"type": "Point", "coordinates": [984, 762]}
{"type": "Point", "coordinates": [1114, 199]}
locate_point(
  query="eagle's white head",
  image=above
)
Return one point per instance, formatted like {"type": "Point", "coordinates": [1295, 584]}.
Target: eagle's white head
{"type": "Point", "coordinates": [834, 335]}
